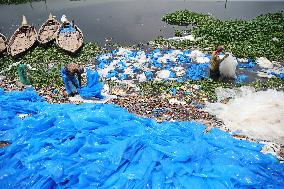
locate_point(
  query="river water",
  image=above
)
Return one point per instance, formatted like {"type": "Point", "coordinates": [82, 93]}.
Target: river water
{"type": "Point", "coordinates": [127, 22]}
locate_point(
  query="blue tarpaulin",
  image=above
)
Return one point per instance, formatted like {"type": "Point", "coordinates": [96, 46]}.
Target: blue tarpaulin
{"type": "Point", "coordinates": [104, 146]}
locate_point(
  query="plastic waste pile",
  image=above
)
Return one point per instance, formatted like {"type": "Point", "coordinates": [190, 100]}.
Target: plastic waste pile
{"type": "Point", "coordinates": [180, 65]}
{"type": "Point", "coordinates": [138, 65]}
{"type": "Point", "coordinates": [270, 69]}
{"type": "Point", "coordinates": [104, 146]}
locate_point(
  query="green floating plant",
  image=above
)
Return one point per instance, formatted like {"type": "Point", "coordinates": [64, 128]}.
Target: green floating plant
{"type": "Point", "coordinates": [261, 36]}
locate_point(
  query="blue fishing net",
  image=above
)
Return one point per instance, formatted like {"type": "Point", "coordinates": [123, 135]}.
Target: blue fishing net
{"type": "Point", "coordinates": [104, 146]}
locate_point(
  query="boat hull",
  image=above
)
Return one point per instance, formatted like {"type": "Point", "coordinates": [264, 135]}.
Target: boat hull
{"type": "Point", "coordinates": [69, 38]}
{"type": "Point", "coordinates": [3, 43]}
{"type": "Point", "coordinates": [47, 31]}
{"type": "Point", "coordinates": [22, 40]}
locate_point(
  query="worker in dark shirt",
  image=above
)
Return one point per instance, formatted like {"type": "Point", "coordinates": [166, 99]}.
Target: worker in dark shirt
{"type": "Point", "coordinates": [71, 75]}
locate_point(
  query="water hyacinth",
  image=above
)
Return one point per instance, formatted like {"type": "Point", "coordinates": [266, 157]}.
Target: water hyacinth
{"type": "Point", "coordinates": [261, 36]}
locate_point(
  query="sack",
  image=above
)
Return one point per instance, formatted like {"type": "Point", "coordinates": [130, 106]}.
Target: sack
{"type": "Point", "coordinates": [22, 72]}
{"type": "Point", "coordinates": [228, 67]}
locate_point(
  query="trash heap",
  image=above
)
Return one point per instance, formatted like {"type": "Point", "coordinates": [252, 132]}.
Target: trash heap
{"type": "Point", "coordinates": [139, 66]}
{"type": "Point", "coordinates": [270, 68]}
{"type": "Point", "coordinates": [104, 146]}
{"type": "Point", "coordinates": [160, 65]}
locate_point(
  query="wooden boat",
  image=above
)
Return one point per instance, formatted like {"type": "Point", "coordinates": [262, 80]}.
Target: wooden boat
{"type": "Point", "coordinates": [48, 30]}
{"type": "Point", "coordinates": [3, 42]}
{"type": "Point", "coordinates": [69, 37]}
{"type": "Point", "coordinates": [22, 39]}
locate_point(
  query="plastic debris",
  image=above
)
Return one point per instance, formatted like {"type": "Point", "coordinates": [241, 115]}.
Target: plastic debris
{"type": "Point", "coordinates": [187, 37]}
{"type": "Point", "coordinates": [197, 71]}
{"type": "Point", "coordinates": [142, 77]}
{"type": "Point", "coordinates": [202, 60]}
{"type": "Point", "coordinates": [246, 63]}
{"type": "Point", "coordinates": [280, 75]}
{"type": "Point", "coordinates": [157, 64]}
{"type": "Point", "coordinates": [241, 78]}
{"type": "Point", "coordinates": [163, 74]}
{"type": "Point", "coordinates": [22, 73]}
{"type": "Point", "coordinates": [228, 67]}
{"type": "Point", "coordinates": [175, 101]}
{"type": "Point", "coordinates": [248, 113]}
{"type": "Point", "coordinates": [104, 146]}
{"type": "Point", "coordinates": [264, 62]}
{"type": "Point", "coordinates": [149, 75]}
{"type": "Point", "coordinates": [94, 86]}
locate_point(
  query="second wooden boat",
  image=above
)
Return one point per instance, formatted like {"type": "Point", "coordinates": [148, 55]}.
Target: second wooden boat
{"type": "Point", "coordinates": [48, 30]}
{"type": "Point", "coordinates": [22, 39]}
{"type": "Point", "coordinates": [3, 42]}
{"type": "Point", "coordinates": [69, 37]}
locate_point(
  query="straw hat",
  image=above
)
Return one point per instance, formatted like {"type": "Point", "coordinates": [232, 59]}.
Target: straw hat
{"type": "Point", "coordinates": [24, 22]}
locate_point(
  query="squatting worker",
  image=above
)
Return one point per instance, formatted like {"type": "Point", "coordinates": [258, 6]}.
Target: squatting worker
{"type": "Point", "coordinates": [215, 62]}
{"type": "Point", "coordinates": [71, 75]}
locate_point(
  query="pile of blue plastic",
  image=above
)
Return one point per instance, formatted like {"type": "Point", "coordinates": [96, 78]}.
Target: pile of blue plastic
{"type": "Point", "coordinates": [158, 60]}
{"type": "Point", "coordinates": [193, 70]}
{"type": "Point", "coordinates": [104, 146]}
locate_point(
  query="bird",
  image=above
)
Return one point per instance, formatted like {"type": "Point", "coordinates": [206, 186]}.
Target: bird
{"type": "Point", "coordinates": [64, 18]}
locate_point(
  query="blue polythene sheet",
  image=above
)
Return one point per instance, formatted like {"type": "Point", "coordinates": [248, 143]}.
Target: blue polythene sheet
{"type": "Point", "coordinates": [68, 29]}
{"type": "Point", "coordinates": [241, 78]}
{"type": "Point", "coordinates": [279, 75]}
{"type": "Point", "coordinates": [104, 146]}
{"type": "Point", "coordinates": [93, 87]}
{"type": "Point", "coordinates": [197, 71]}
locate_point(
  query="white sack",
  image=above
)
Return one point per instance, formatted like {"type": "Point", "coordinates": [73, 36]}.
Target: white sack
{"type": "Point", "coordinates": [228, 67]}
